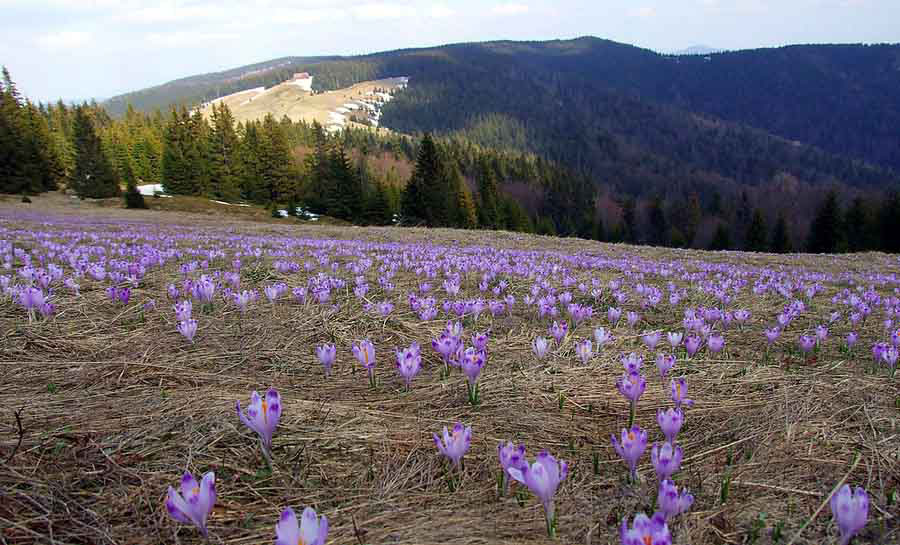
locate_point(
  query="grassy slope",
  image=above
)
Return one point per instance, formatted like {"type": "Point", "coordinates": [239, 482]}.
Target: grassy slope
{"type": "Point", "coordinates": [115, 405]}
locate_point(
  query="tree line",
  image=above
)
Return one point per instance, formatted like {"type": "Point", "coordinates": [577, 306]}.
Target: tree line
{"type": "Point", "coordinates": [449, 181]}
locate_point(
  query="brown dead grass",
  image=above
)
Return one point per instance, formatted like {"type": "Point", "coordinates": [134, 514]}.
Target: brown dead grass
{"type": "Point", "coordinates": [115, 405]}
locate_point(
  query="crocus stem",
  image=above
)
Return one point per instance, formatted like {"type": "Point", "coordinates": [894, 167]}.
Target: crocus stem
{"type": "Point", "coordinates": [631, 416]}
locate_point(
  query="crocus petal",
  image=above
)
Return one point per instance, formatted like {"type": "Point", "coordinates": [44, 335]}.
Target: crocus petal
{"type": "Point", "coordinates": [287, 531]}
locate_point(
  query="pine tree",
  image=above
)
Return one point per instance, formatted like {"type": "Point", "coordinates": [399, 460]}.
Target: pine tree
{"type": "Point", "coordinates": [781, 239]}
{"type": "Point", "coordinates": [826, 233]}
{"type": "Point", "coordinates": [93, 176]}
{"type": "Point", "coordinates": [756, 239]}
{"type": "Point", "coordinates": [223, 156]}
{"type": "Point", "coordinates": [889, 223]}
{"type": "Point", "coordinates": [428, 197]}
{"type": "Point", "coordinates": [488, 195]}
{"type": "Point", "coordinates": [277, 176]}
{"type": "Point", "coordinates": [175, 170]}
{"type": "Point", "coordinates": [721, 239]}
{"type": "Point", "coordinates": [378, 207]}
{"type": "Point", "coordinates": [465, 217]}
{"type": "Point", "coordinates": [858, 224]}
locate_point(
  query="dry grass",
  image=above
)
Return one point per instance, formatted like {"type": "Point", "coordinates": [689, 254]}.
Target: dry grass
{"type": "Point", "coordinates": [115, 405]}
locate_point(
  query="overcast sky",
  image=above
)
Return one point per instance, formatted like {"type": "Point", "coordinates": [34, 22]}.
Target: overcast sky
{"type": "Point", "coordinates": [78, 49]}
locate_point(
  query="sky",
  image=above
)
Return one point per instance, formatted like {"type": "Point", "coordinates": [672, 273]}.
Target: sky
{"type": "Point", "coordinates": [80, 49]}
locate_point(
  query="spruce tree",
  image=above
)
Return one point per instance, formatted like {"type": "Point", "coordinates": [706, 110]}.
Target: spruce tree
{"type": "Point", "coordinates": [721, 239]}
{"type": "Point", "coordinates": [889, 223]}
{"type": "Point", "coordinates": [781, 239]}
{"type": "Point", "coordinates": [175, 170]}
{"type": "Point", "coordinates": [428, 197]}
{"type": "Point", "coordinates": [223, 156]}
{"type": "Point", "coordinates": [465, 215]}
{"type": "Point", "coordinates": [858, 224]}
{"type": "Point", "coordinates": [756, 239]}
{"type": "Point", "coordinates": [488, 195]}
{"type": "Point", "coordinates": [826, 231]}
{"type": "Point", "coordinates": [659, 227]}
{"type": "Point", "coordinates": [629, 221]}
{"type": "Point", "coordinates": [93, 176]}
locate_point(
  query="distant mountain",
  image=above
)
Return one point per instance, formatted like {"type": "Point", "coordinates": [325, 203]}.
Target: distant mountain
{"type": "Point", "coordinates": [697, 50]}
{"type": "Point", "coordinates": [629, 117]}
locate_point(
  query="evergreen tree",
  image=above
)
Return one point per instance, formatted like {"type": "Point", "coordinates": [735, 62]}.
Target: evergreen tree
{"type": "Point", "coordinates": [858, 224]}
{"type": "Point", "coordinates": [378, 208]}
{"type": "Point", "coordinates": [629, 221]}
{"type": "Point", "coordinates": [175, 170]}
{"type": "Point", "coordinates": [93, 176]}
{"type": "Point", "coordinates": [756, 239]}
{"type": "Point", "coordinates": [721, 239]}
{"type": "Point", "coordinates": [466, 216]}
{"type": "Point", "coordinates": [889, 223]}
{"type": "Point", "coordinates": [344, 196]}
{"type": "Point", "coordinates": [223, 156]}
{"type": "Point", "coordinates": [428, 197]}
{"type": "Point", "coordinates": [826, 233]}
{"type": "Point", "coordinates": [488, 195]}
{"type": "Point", "coordinates": [658, 225]}
{"type": "Point", "coordinates": [781, 239]}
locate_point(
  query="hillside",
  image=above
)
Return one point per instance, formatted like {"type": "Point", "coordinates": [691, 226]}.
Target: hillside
{"type": "Point", "coordinates": [634, 118]}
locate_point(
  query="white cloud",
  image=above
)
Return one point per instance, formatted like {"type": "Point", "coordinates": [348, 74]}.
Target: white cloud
{"type": "Point", "coordinates": [188, 39]}
{"type": "Point", "coordinates": [66, 39]}
{"type": "Point", "coordinates": [510, 9]}
{"type": "Point", "coordinates": [383, 11]}
{"type": "Point", "coordinates": [644, 12]}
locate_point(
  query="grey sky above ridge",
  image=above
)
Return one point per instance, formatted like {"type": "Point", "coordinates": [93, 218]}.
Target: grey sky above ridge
{"type": "Point", "coordinates": [75, 49]}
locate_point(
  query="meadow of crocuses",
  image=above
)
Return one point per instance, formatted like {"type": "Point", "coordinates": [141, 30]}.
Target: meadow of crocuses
{"type": "Point", "coordinates": [167, 379]}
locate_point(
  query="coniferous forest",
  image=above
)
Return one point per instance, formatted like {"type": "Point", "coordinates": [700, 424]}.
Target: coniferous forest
{"type": "Point", "coordinates": [497, 173]}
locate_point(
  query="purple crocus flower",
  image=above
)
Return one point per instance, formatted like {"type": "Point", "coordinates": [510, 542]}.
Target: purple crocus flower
{"type": "Point", "coordinates": [674, 338]}
{"type": "Point", "coordinates": [633, 318]}
{"type": "Point", "coordinates": [772, 334]}
{"type": "Point", "coordinates": [665, 362]}
{"type": "Point", "coordinates": [821, 333]}
{"type": "Point", "coordinates": [692, 345]}
{"type": "Point", "coordinates": [445, 345]}
{"type": "Point", "coordinates": [472, 363]}
{"type": "Point", "coordinates": [878, 350]}
{"type": "Point", "coordinates": [454, 445]}
{"type": "Point", "coordinates": [311, 529]}
{"type": "Point", "coordinates": [715, 343]}
{"type": "Point", "coordinates": [672, 503]}
{"type": "Point", "coordinates": [806, 343]}
{"type": "Point", "coordinates": [652, 339]}
{"type": "Point", "coordinates": [540, 346]}
{"type": "Point", "coordinates": [852, 337]}
{"type": "Point", "coordinates": [262, 415]}
{"type": "Point", "coordinates": [558, 330]}
{"type": "Point", "coordinates": [188, 328]}
{"type": "Point", "coordinates": [631, 386]}
{"type": "Point", "coordinates": [584, 350]}
{"type": "Point", "coordinates": [123, 295]}
{"type": "Point", "coordinates": [183, 310]}
{"type": "Point", "coordinates": [666, 459]}
{"type": "Point", "coordinates": [890, 356]}
{"type": "Point", "coordinates": [632, 363]}
{"type": "Point", "coordinates": [543, 478]}
{"type": "Point", "coordinates": [602, 336]}
{"type": "Point", "coordinates": [479, 341]}
{"type": "Point", "coordinates": [613, 314]}
{"type": "Point", "coordinates": [195, 502]}
{"type": "Point", "coordinates": [510, 457]}
{"type": "Point", "coordinates": [631, 447]}
{"type": "Point", "coordinates": [850, 510]}
{"type": "Point", "coordinates": [454, 329]}
{"type": "Point", "coordinates": [670, 422]}
{"type": "Point", "coordinates": [409, 362]}
{"type": "Point", "coordinates": [327, 353]}
{"type": "Point", "coordinates": [47, 309]}
{"type": "Point", "coordinates": [645, 531]}
{"type": "Point", "coordinates": [679, 393]}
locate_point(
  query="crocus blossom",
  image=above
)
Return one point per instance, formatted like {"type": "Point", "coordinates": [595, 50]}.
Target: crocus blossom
{"type": "Point", "coordinates": [670, 502]}
{"type": "Point", "coordinates": [665, 362]}
{"type": "Point", "coordinates": [409, 362]}
{"type": "Point", "coordinates": [645, 531]}
{"type": "Point", "coordinates": [262, 415]}
{"type": "Point", "coordinates": [670, 422]}
{"type": "Point", "coordinates": [311, 529]}
{"type": "Point", "coordinates": [365, 354]}
{"type": "Point", "coordinates": [195, 501]}
{"type": "Point", "coordinates": [584, 350]}
{"type": "Point", "coordinates": [454, 445]}
{"type": "Point", "coordinates": [631, 386]}
{"type": "Point", "coordinates": [679, 393]}
{"type": "Point", "coordinates": [540, 346]}
{"type": "Point", "coordinates": [850, 510]}
{"type": "Point", "coordinates": [631, 446]}
{"type": "Point", "coordinates": [510, 456]}
{"type": "Point", "coordinates": [327, 354]}
{"type": "Point", "coordinates": [602, 336]}
{"type": "Point", "coordinates": [652, 339]}
{"type": "Point", "coordinates": [188, 328]}
{"type": "Point", "coordinates": [543, 478]}
{"type": "Point", "coordinates": [666, 459]}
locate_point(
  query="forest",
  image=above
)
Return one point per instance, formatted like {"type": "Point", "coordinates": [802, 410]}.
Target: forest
{"type": "Point", "coordinates": [477, 178]}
